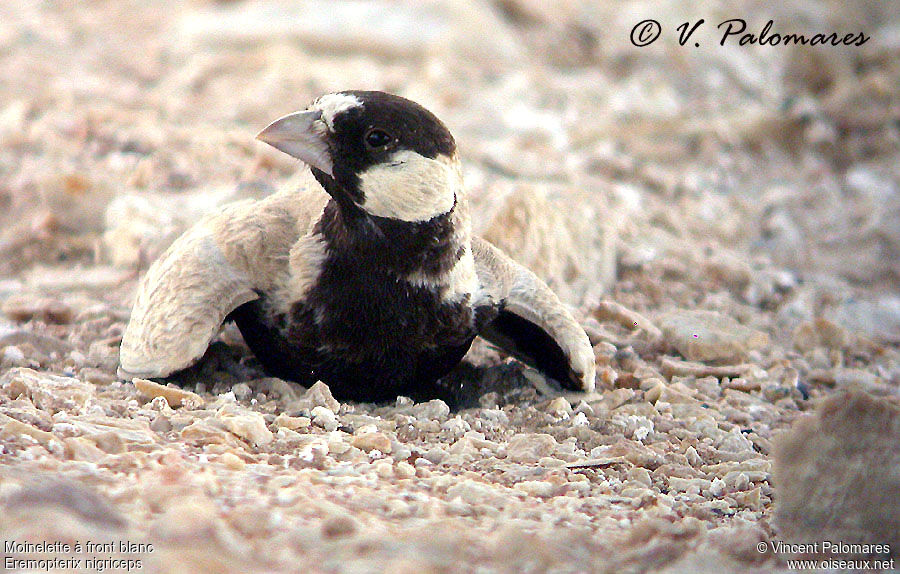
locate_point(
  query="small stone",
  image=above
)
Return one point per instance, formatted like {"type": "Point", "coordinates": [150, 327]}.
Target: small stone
{"type": "Point", "coordinates": [276, 388]}
{"type": "Point", "coordinates": [672, 394]}
{"type": "Point", "coordinates": [638, 427]}
{"type": "Point", "coordinates": [580, 420]}
{"type": "Point", "coordinates": [495, 416]}
{"type": "Point", "coordinates": [14, 357]}
{"type": "Point", "coordinates": [109, 442]}
{"type": "Point", "coordinates": [605, 352]}
{"type": "Point", "coordinates": [231, 461]}
{"type": "Point", "coordinates": [400, 451]}
{"type": "Point", "coordinates": [539, 488]}
{"type": "Point", "coordinates": [338, 527]}
{"type": "Point", "coordinates": [749, 499]}
{"type": "Point", "coordinates": [689, 485]}
{"type": "Point", "coordinates": [456, 426]}
{"type": "Point", "coordinates": [104, 354]}
{"type": "Point", "coordinates": [161, 424]}
{"type": "Point", "coordinates": [489, 400]}
{"type": "Point", "coordinates": [337, 443]}
{"type": "Point", "coordinates": [831, 335]}
{"type": "Point", "coordinates": [81, 448]}
{"type": "Point", "coordinates": [372, 441]}
{"type": "Point", "coordinates": [653, 394]}
{"type": "Point", "coordinates": [528, 448]}
{"type": "Point", "coordinates": [583, 407]}
{"type": "Point", "coordinates": [404, 470]}
{"type": "Point", "coordinates": [325, 418]}
{"type": "Point", "coordinates": [11, 426]}
{"type": "Point", "coordinates": [742, 384]}
{"type": "Point", "coordinates": [717, 487]}
{"type": "Point", "coordinates": [735, 441]}
{"type": "Point", "coordinates": [472, 492]}
{"type": "Point", "coordinates": [187, 518]}
{"type": "Point", "coordinates": [432, 410]}
{"type": "Point", "coordinates": [23, 308]}
{"type": "Point", "coordinates": [202, 432]}
{"type": "Point", "coordinates": [246, 424]}
{"type": "Point", "coordinates": [878, 319]}
{"type": "Point", "coordinates": [819, 333]}
{"type": "Point", "coordinates": [692, 457]}
{"type": "Point", "coordinates": [97, 377]}
{"type": "Point", "coordinates": [384, 469]}
{"type": "Point", "coordinates": [175, 396]}
{"type": "Point", "coordinates": [242, 391]}
{"type": "Point", "coordinates": [737, 481]}
{"type": "Point", "coordinates": [616, 398]}
{"type": "Point", "coordinates": [292, 423]}
{"type": "Point", "coordinates": [640, 475]}
{"type": "Point", "coordinates": [434, 455]}
{"type": "Point", "coordinates": [607, 376]}
{"type": "Point", "coordinates": [13, 121]}
{"type": "Point", "coordinates": [463, 450]}
{"type": "Point", "coordinates": [51, 393]}
{"type": "Point", "coordinates": [559, 407]}
{"type": "Point", "coordinates": [805, 337]}
{"type": "Point", "coordinates": [41, 344]}
{"type": "Point", "coordinates": [320, 395]}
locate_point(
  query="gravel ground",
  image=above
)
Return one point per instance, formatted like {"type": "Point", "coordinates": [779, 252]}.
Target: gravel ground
{"type": "Point", "coordinates": [723, 219]}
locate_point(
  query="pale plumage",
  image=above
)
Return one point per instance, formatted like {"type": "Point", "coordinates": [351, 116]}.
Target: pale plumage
{"type": "Point", "coordinates": [375, 290]}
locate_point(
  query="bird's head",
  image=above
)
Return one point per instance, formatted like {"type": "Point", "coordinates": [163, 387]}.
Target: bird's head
{"type": "Point", "coordinates": [375, 153]}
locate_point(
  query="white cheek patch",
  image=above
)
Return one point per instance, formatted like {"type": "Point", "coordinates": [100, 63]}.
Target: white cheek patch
{"type": "Point", "coordinates": [411, 187]}
{"type": "Point", "coordinates": [332, 104]}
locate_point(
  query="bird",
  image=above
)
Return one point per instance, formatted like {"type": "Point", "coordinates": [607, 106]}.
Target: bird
{"type": "Point", "coordinates": [371, 282]}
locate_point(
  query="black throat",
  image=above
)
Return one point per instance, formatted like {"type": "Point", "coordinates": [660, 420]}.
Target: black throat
{"type": "Point", "coordinates": [381, 244]}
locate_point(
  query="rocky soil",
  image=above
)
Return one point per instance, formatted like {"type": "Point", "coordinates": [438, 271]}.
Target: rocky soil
{"type": "Point", "coordinates": [724, 220]}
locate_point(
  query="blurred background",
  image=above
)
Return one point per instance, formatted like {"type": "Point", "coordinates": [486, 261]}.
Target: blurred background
{"type": "Point", "coordinates": [750, 193]}
{"type": "Point", "coordinates": [660, 176]}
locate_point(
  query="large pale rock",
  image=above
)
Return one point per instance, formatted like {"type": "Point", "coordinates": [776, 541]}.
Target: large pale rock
{"type": "Point", "coordinates": [567, 237]}
{"type": "Point", "coordinates": [709, 336]}
{"type": "Point", "coordinates": [836, 474]}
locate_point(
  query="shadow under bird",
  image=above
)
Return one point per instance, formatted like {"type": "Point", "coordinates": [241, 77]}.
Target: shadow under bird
{"type": "Point", "coordinates": [376, 287]}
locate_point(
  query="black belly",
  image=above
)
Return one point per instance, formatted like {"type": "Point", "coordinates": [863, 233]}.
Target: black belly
{"type": "Point", "coordinates": [367, 342]}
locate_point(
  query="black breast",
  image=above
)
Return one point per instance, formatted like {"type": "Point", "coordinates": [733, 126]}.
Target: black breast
{"type": "Point", "coordinates": [362, 329]}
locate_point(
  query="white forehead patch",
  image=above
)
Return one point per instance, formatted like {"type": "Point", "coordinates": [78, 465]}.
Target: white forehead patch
{"type": "Point", "coordinates": [332, 104]}
{"type": "Point", "coordinates": [411, 187]}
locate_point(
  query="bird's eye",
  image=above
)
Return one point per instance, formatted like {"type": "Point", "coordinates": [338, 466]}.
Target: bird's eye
{"type": "Point", "coordinates": [377, 138]}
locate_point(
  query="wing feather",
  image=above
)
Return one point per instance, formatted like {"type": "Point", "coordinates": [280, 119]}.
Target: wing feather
{"type": "Point", "coordinates": [213, 268]}
{"type": "Point", "coordinates": [531, 322]}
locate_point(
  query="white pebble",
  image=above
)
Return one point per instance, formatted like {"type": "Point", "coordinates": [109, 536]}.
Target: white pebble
{"type": "Point", "coordinates": [324, 418]}
{"type": "Point", "coordinates": [14, 356]}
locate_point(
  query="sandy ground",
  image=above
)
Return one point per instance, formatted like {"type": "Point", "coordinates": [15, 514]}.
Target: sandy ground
{"type": "Point", "coordinates": [723, 219]}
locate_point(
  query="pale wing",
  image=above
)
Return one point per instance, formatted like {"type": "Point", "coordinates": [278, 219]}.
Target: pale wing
{"type": "Point", "coordinates": [531, 322]}
{"type": "Point", "coordinates": [180, 305]}
{"type": "Point", "coordinates": [216, 266]}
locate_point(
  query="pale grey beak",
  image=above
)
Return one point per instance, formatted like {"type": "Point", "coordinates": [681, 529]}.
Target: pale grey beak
{"type": "Point", "coordinates": [301, 135]}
